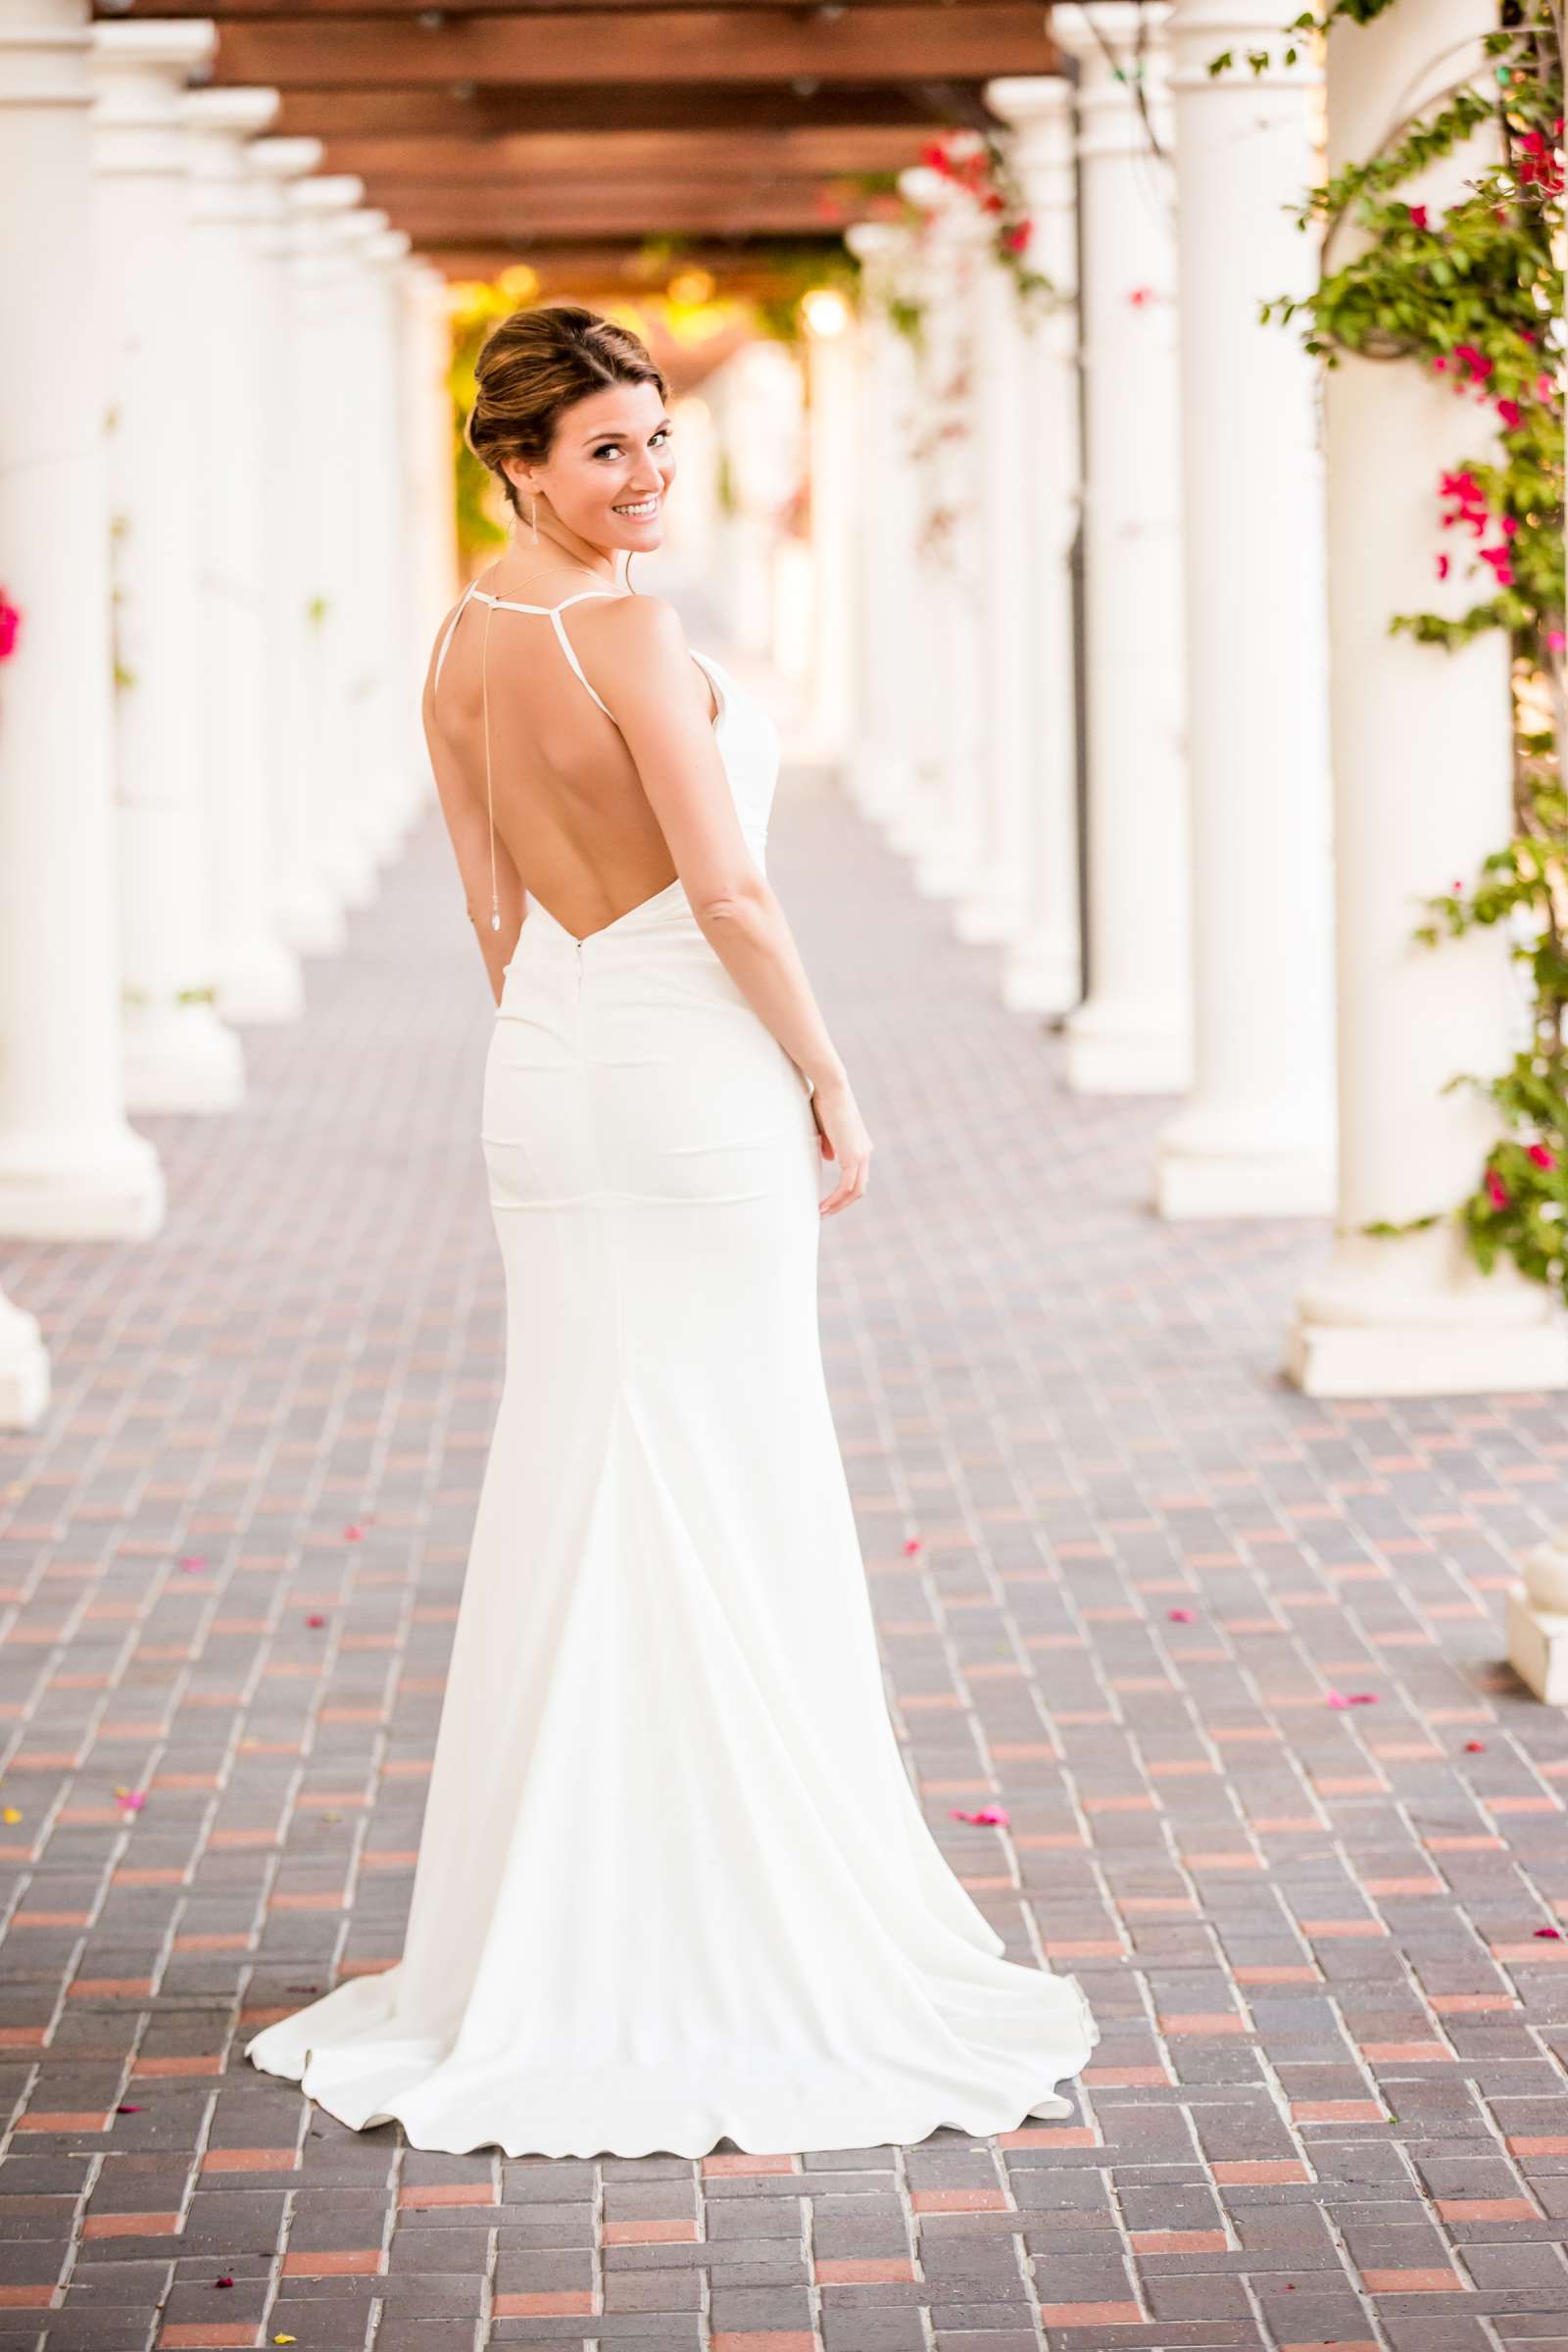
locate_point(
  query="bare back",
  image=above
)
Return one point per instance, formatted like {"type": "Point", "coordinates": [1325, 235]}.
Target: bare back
{"type": "Point", "coordinates": [561, 789]}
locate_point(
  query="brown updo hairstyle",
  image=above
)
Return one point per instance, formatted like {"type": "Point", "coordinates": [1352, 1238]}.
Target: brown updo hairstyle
{"type": "Point", "coordinates": [533, 367]}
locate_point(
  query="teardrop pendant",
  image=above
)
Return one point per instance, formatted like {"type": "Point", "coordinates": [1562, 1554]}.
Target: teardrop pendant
{"type": "Point", "coordinates": [495, 919]}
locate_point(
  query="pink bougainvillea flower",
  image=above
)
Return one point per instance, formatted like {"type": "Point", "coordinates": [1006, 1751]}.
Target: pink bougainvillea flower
{"type": "Point", "coordinates": [10, 626]}
{"type": "Point", "coordinates": [1018, 236]}
{"type": "Point", "coordinates": [1442, 567]}
{"type": "Point", "coordinates": [1418, 215]}
{"type": "Point", "coordinates": [1477, 362]}
{"type": "Point", "coordinates": [193, 1559]}
{"type": "Point", "coordinates": [1509, 411]}
{"type": "Point", "coordinates": [987, 1817]}
{"type": "Point", "coordinates": [912, 1544]}
{"type": "Point", "coordinates": [1350, 1699]}
{"type": "Point", "coordinates": [1440, 364]}
{"type": "Point", "coordinates": [1548, 1934]}
{"type": "Point", "coordinates": [1181, 1616]}
{"type": "Point", "coordinates": [1475, 1748]}
{"type": "Point", "coordinates": [123, 2109]}
{"type": "Point", "coordinates": [1141, 297]}
{"type": "Point", "coordinates": [354, 1534]}
{"type": "Point", "coordinates": [1542, 1156]}
{"type": "Point", "coordinates": [131, 1801]}
{"type": "Point", "coordinates": [1497, 1192]}
{"type": "Point", "coordinates": [225, 2280]}
{"type": "Point", "coordinates": [1555, 640]}
{"type": "Point", "coordinates": [316, 1620]}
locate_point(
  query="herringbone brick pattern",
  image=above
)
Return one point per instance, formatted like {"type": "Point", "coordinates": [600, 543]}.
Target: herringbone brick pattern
{"type": "Point", "coordinates": [1122, 1575]}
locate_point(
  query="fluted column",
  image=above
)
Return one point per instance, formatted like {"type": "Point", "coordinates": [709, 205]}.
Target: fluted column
{"type": "Point", "coordinates": [942, 837]}
{"type": "Point", "coordinates": [332, 868]}
{"type": "Point", "coordinates": [178, 1053]}
{"type": "Point", "coordinates": [258, 976]}
{"type": "Point", "coordinates": [1421, 774]}
{"type": "Point", "coordinates": [991, 908]}
{"type": "Point", "coordinates": [308, 916]}
{"type": "Point", "coordinates": [70, 1166]}
{"type": "Point", "coordinates": [1132, 1034]}
{"type": "Point", "coordinates": [1256, 1138]}
{"type": "Point", "coordinates": [1043, 963]}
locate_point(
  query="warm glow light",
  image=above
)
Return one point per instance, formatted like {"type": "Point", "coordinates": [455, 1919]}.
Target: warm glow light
{"type": "Point", "coordinates": [825, 311]}
{"type": "Point", "coordinates": [691, 286]}
{"type": "Point", "coordinates": [519, 283]}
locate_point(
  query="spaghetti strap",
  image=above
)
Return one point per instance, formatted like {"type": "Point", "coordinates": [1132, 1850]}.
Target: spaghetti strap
{"type": "Point", "coordinates": [503, 603]}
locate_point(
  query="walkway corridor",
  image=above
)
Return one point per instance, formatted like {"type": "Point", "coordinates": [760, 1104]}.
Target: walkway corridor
{"type": "Point", "coordinates": [1225, 1658]}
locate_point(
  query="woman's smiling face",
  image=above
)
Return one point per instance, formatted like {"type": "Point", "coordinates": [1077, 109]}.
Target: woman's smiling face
{"type": "Point", "coordinates": [610, 469]}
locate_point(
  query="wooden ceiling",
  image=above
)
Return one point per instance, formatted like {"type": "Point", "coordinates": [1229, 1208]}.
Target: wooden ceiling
{"type": "Point", "coordinates": [594, 139]}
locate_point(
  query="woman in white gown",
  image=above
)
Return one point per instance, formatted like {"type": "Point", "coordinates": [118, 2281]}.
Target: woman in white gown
{"type": "Point", "coordinates": [673, 1886]}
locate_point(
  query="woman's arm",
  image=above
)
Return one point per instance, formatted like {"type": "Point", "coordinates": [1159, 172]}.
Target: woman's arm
{"type": "Point", "coordinates": [647, 676]}
{"type": "Point", "coordinates": [468, 828]}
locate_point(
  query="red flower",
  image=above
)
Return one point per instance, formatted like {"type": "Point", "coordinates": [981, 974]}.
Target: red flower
{"type": "Point", "coordinates": [1555, 641]}
{"type": "Point", "coordinates": [1442, 567]}
{"type": "Point", "coordinates": [1542, 1157]}
{"type": "Point", "coordinates": [1509, 527]}
{"type": "Point", "coordinates": [1141, 297]}
{"type": "Point", "coordinates": [1496, 1191]}
{"type": "Point", "coordinates": [9, 623]}
{"type": "Point", "coordinates": [1018, 236]}
{"type": "Point", "coordinates": [1418, 215]}
{"type": "Point", "coordinates": [1477, 362]}
{"type": "Point", "coordinates": [1509, 411]}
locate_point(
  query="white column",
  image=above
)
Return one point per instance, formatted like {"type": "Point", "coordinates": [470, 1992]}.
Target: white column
{"type": "Point", "coordinates": [1422, 770]}
{"type": "Point", "coordinates": [429, 473]}
{"type": "Point", "coordinates": [331, 863]}
{"type": "Point", "coordinates": [258, 975]}
{"type": "Point", "coordinates": [308, 917]}
{"type": "Point", "coordinates": [993, 907]}
{"type": "Point", "coordinates": [831, 422]}
{"type": "Point", "coordinates": [1132, 1034]}
{"type": "Point", "coordinates": [1257, 1138]}
{"type": "Point", "coordinates": [178, 1053]}
{"type": "Point", "coordinates": [23, 1366]}
{"type": "Point", "coordinates": [385, 690]}
{"type": "Point", "coordinates": [942, 835]}
{"type": "Point", "coordinates": [885, 522]}
{"type": "Point", "coordinates": [70, 1166]}
{"type": "Point", "coordinates": [1042, 968]}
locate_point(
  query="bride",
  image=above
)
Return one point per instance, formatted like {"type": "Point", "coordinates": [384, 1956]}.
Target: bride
{"type": "Point", "coordinates": [673, 1886]}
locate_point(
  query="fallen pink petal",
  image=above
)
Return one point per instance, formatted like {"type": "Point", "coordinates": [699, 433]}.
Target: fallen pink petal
{"type": "Point", "coordinates": [989, 1817]}
{"type": "Point", "coordinates": [1181, 1616]}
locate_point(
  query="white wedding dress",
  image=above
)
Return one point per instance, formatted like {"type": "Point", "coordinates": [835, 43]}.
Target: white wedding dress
{"type": "Point", "coordinates": [673, 1886]}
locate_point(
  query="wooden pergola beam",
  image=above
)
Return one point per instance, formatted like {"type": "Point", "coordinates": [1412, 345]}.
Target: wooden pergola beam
{"type": "Point", "coordinates": [716, 45]}
{"type": "Point", "coordinates": [473, 112]}
{"type": "Point", "coordinates": [585, 210]}
{"type": "Point", "coordinates": [526, 160]}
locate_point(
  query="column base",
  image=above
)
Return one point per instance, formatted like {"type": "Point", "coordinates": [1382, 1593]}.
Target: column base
{"type": "Point", "coordinates": [1131, 1050]}
{"type": "Point", "coordinates": [23, 1368]}
{"type": "Point", "coordinates": [262, 984]}
{"type": "Point", "coordinates": [181, 1058]}
{"type": "Point", "coordinates": [1538, 1623]}
{"type": "Point", "coordinates": [945, 865]}
{"type": "Point", "coordinates": [1041, 973]}
{"type": "Point", "coordinates": [1424, 1359]}
{"type": "Point", "coordinates": [310, 920]}
{"type": "Point", "coordinates": [103, 1186]}
{"type": "Point", "coordinates": [1537, 1647]}
{"type": "Point", "coordinates": [1236, 1166]}
{"type": "Point", "coordinates": [989, 916]}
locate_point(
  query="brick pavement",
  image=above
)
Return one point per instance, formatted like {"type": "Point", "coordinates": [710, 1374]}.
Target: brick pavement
{"type": "Point", "coordinates": [1118, 1569]}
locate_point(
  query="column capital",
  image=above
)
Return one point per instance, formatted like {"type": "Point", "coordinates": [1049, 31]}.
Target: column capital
{"type": "Point", "coordinates": [1039, 111]}
{"type": "Point", "coordinates": [327, 193]}
{"type": "Point", "coordinates": [140, 71]}
{"type": "Point", "coordinates": [229, 119]}
{"type": "Point", "coordinates": [1121, 54]}
{"type": "Point", "coordinates": [1105, 32]}
{"type": "Point", "coordinates": [284, 159]}
{"type": "Point", "coordinates": [1199, 31]}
